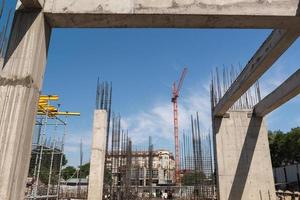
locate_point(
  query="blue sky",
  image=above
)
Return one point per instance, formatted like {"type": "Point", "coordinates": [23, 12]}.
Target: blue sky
{"type": "Point", "coordinates": [142, 64]}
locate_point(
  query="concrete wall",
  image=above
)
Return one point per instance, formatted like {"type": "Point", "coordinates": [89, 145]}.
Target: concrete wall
{"type": "Point", "coordinates": [243, 158]}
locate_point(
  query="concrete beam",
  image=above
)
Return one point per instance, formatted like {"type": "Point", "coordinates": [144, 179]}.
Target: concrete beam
{"type": "Point", "coordinates": [174, 13]}
{"type": "Point", "coordinates": [32, 3]}
{"type": "Point", "coordinates": [286, 91]}
{"type": "Point", "coordinates": [274, 46]}
{"type": "Point", "coordinates": [21, 79]}
{"type": "Point", "coordinates": [97, 165]}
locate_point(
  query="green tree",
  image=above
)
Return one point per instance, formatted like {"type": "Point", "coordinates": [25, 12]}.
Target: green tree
{"type": "Point", "coordinates": [276, 142]}
{"type": "Point", "coordinates": [191, 178]}
{"type": "Point", "coordinates": [284, 147]}
{"type": "Point", "coordinates": [107, 176]}
{"type": "Point", "coordinates": [85, 171]}
{"type": "Point", "coordinates": [68, 172]}
{"type": "Point", "coordinates": [292, 146]}
{"type": "Point", "coordinates": [45, 165]}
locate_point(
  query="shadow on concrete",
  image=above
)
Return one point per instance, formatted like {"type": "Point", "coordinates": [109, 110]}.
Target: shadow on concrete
{"type": "Point", "coordinates": [216, 121]}
{"type": "Point", "coordinates": [216, 124]}
{"type": "Point", "coordinates": [18, 32]}
{"type": "Point", "coordinates": [243, 167]}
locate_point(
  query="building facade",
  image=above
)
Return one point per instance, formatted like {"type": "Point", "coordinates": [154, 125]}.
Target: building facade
{"type": "Point", "coordinates": [160, 162]}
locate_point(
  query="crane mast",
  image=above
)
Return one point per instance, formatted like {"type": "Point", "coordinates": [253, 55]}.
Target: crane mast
{"type": "Point", "coordinates": [175, 95]}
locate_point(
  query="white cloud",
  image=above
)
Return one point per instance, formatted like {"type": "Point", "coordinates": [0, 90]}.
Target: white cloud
{"type": "Point", "coordinates": [275, 77]}
{"type": "Point", "coordinates": [298, 121]}
{"type": "Point", "coordinates": [71, 149]}
{"type": "Point", "coordinates": [157, 121]}
{"type": "Point", "coordinates": [72, 146]}
{"type": "Point", "coordinates": [76, 138]}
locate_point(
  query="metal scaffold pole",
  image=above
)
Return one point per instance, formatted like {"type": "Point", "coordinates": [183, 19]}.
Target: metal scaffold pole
{"type": "Point", "coordinates": [48, 150]}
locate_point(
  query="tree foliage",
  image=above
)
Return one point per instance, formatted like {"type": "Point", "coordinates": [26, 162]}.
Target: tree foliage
{"type": "Point", "coordinates": [85, 171]}
{"type": "Point", "coordinates": [285, 147]}
{"type": "Point", "coordinates": [107, 176]}
{"type": "Point", "coordinates": [45, 165]}
{"type": "Point", "coordinates": [68, 172]}
{"type": "Point", "coordinates": [191, 178]}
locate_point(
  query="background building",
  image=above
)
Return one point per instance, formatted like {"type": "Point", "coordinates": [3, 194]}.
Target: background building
{"type": "Point", "coordinates": [163, 168]}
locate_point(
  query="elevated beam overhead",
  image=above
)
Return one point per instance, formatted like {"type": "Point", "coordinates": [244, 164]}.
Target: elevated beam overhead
{"type": "Point", "coordinates": [173, 13]}
{"type": "Point", "coordinates": [286, 91]}
{"type": "Point", "coordinates": [274, 46]}
{"type": "Point", "coordinates": [32, 3]}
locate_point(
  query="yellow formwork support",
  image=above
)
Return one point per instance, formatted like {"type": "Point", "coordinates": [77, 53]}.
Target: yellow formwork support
{"type": "Point", "coordinates": [44, 107]}
{"type": "Point", "coordinates": [59, 113]}
{"type": "Point", "coordinates": [49, 97]}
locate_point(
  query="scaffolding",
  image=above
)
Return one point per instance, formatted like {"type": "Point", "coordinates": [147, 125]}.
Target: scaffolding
{"type": "Point", "coordinates": [47, 156]}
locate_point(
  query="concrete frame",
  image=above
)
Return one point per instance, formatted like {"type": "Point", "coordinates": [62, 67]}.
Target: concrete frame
{"type": "Point", "coordinates": [21, 76]}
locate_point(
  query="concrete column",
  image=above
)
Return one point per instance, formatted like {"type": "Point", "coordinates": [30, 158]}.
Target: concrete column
{"type": "Point", "coordinates": [21, 79]}
{"type": "Point", "coordinates": [244, 169]}
{"type": "Point", "coordinates": [97, 164]}
{"type": "Point", "coordinates": [145, 176]}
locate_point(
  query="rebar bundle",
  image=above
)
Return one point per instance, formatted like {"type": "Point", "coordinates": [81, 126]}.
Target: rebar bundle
{"type": "Point", "coordinates": [120, 161]}
{"type": "Point", "coordinates": [222, 81]}
{"type": "Point", "coordinates": [103, 102]}
{"type": "Point", "coordinates": [198, 162]}
{"type": "Point", "coordinates": [103, 96]}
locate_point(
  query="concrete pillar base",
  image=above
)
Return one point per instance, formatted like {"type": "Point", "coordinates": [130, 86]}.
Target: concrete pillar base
{"type": "Point", "coordinates": [97, 162]}
{"type": "Point", "coordinates": [244, 169]}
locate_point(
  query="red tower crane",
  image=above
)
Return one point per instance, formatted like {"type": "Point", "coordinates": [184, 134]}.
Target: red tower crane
{"type": "Point", "coordinates": [175, 95]}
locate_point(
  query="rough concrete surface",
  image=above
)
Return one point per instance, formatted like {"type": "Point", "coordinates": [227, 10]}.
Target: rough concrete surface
{"type": "Point", "coordinates": [20, 83]}
{"type": "Point", "coordinates": [243, 158]}
{"type": "Point", "coordinates": [96, 176]}
{"type": "Point", "coordinates": [173, 13]}
{"type": "Point", "coordinates": [225, 7]}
